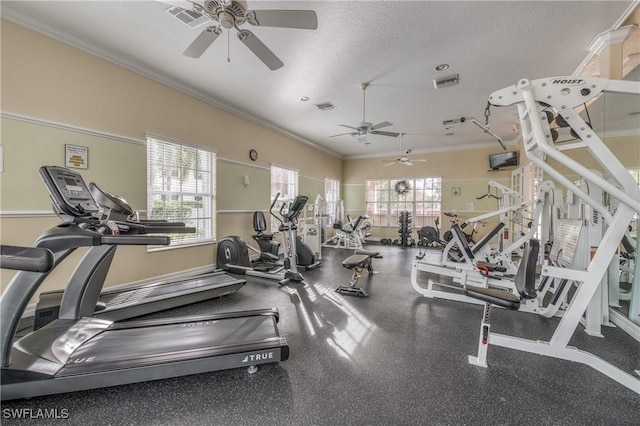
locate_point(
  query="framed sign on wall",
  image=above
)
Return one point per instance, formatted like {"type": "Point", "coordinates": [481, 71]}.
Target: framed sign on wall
{"type": "Point", "coordinates": [76, 156]}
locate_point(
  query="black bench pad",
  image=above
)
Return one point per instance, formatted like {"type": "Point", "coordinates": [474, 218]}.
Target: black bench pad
{"type": "Point", "coordinates": [354, 260]}
{"type": "Point", "coordinates": [497, 297]}
{"type": "Point", "coordinates": [359, 257]}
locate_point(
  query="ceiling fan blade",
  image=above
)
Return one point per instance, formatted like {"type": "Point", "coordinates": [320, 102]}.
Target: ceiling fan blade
{"type": "Point", "coordinates": [303, 19]}
{"type": "Point", "coordinates": [343, 134]}
{"type": "Point", "coordinates": [389, 164]}
{"type": "Point", "coordinates": [407, 163]}
{"type": "Point", "coordinates": [422, 160]}
{"type": "Point", "coordinates": [202, 42]}
{"type": "Point", "coordinates": [260, 49]}
{"type": "Point", "coordinates": [392, 134]}
{"type": "Point", "coordinates": [381, 125]}
{"type": "Point", "coordinates": [350, 127]}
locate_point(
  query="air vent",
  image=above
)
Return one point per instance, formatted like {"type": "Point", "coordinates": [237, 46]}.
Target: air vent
{"type": "Point", "coordinates": [327, 106]}
{"type": "Point", "coordinates": [450, 80]}
{"type": "Point", "coordinates": [190, 18]}
{"type": "Point", "coordinates": [449, 122]}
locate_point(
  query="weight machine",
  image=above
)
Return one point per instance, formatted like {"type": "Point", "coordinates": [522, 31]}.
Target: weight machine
{"type": "Point", "coordinates": [350, 235]}
{"type": "Point", "coordinates": [464, 271]}
{"type": "Point", "coordinates": [565, 95]}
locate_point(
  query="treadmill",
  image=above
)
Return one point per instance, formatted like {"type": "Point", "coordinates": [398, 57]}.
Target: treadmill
{"type": "Point", "coordinates": [132, 301]}
{"type": "Point", "coordinates": [78, 352]}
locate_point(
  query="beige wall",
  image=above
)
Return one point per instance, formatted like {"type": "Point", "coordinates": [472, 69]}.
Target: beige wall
{"type": "Point", "coordinates": [52, 82]}
{"type": "Point", "coordinates": [466, 169]}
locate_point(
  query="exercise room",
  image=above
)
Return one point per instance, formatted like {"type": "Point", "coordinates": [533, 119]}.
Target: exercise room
{"type": "Point", "coordinates": [338, 212]}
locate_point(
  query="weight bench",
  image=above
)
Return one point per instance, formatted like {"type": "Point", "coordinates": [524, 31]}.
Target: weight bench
{"type": "Point", "coordinates": [525, 282]}
{"type": "Point", "coordinates": [358, 261]}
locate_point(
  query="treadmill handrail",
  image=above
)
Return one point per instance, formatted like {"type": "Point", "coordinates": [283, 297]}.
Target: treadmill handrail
{"type": "Point", "coordinates": [137, 240]}
{"type": "Point", "coordinates": [61, 240]}
{"type": "Point", "coordinates": [26, 258]}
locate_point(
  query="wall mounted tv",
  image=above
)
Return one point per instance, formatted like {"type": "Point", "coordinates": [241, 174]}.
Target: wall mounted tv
{"type": "Point", "coordinates": [503, 159]}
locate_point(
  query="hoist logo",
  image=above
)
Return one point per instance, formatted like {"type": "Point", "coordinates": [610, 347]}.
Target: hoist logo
{"type": "Point", "coordinates": [570, 82]}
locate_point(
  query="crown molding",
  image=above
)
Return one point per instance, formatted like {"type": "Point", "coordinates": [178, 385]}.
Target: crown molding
{"type": "Point", "coordinates": [608, 38]}
{"type": "Point", "coordinates": [14, 14]}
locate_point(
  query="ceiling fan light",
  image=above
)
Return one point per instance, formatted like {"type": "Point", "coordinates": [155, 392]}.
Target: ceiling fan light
{"type": "Point", "coordinates": [227, 20]}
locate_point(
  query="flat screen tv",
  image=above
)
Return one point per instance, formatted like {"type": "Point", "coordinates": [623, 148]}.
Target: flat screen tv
{"type": "Point", "coordinates": [503, 159]}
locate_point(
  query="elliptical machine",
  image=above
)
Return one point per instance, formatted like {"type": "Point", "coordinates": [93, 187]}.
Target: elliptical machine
{"type": "Point", "coordinates": [233, 253]}
{"type": "Point", "coordinates": [269, 248]}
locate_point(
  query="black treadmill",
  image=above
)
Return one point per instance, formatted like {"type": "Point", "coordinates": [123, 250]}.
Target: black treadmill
{"type": "Point", "coordinates": [128, 302]}
{"type": "Point", "coordinates": [77, 351]}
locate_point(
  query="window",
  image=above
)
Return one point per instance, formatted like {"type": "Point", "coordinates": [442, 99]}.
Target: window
{"type": "Point", "coordinates": [285, 182]}
{"type": "Point", "coordinates": [331, 196]}
{"type": "Point", "coordinates": [180, 188]}
{"type": "Point", "coordinates": [383, 203]}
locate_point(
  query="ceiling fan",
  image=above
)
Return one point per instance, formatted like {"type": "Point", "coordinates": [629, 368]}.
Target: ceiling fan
{"type": "Point", "coordinates": [403, 158]}
{"type": "Point", "coordinates": [365, 128]}
{"type": "Point", "coordinates": [234, 13]}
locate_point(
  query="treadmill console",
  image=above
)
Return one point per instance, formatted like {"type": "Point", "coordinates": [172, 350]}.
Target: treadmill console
{"type": "Point", "coordinates": [68, 191]}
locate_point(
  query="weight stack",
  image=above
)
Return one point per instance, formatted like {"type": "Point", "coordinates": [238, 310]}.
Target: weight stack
{"type": "Point", "coordinates": [405, 227]}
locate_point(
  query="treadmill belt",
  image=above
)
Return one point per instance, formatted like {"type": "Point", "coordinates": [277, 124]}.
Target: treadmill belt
{"type": "Point", "coordinates": [159, 291]}
{"type": "Point", "coordinates": [148, 345]}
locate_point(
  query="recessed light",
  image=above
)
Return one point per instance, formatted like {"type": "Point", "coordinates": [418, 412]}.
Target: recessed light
{"type": "Point", "coordinates": [304, 98]}
{"type": "Point", "coordinates": [441, 67]}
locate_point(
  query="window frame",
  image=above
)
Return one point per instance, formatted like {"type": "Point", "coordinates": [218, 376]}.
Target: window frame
{"type": "Point", "coordinates": [331, 198]}
{"type": "Point", "coordinates": [290, 193]}
{"type": "Point", "coordinates": [381, 207]}
{"type": "Point", "coordinates": [195, 194]}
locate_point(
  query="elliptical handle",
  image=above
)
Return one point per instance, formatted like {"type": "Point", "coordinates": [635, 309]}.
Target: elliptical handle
{"type": "Point", "coordinates": [272, 206]}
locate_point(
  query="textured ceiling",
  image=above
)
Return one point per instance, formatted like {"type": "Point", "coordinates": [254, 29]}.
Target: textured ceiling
{"type": "Point", "coordinates": [393, 45]}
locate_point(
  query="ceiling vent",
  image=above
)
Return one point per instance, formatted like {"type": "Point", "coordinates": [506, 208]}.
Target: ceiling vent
{"type": "Point", "coordinates": [327, 106]}
{"type": "Point", "coordinates": [450, 122]}
{"type": "Point", "coordinates": [188, 17]}
{"type": "Point", "coordinates": [450, 80]}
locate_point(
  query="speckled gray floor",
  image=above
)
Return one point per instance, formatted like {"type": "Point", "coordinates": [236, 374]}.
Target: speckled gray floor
{"type": "Point", "coordinates": [392, 358]}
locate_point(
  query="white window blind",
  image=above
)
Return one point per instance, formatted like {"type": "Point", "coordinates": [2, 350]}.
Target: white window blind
{"type": "Point", "coordinates": [285, 182]}
{"type": "Point", "coordinates": [181, 188]}
{"type": "Point", "coordinates": [332, 195]}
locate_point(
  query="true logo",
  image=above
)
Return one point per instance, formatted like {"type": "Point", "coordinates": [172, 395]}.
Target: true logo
{"type": "Point", "coordinates": [258, 357]}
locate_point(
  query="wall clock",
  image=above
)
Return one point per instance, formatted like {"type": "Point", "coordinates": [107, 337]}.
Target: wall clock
{"type": "Point", "coordinates": [253, 154]}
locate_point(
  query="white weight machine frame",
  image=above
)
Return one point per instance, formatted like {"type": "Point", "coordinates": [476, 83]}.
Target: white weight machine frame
{"type": "Point", "coordinates": [466, 272]}
{"type": "Point", "coordinates": [349, 236]}
{"type": "Point", "coordinates": [564, 95]}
